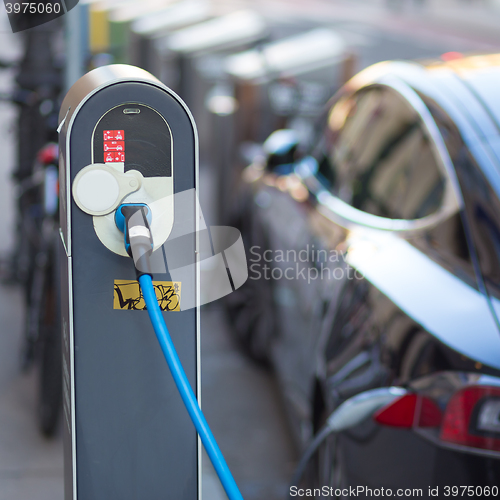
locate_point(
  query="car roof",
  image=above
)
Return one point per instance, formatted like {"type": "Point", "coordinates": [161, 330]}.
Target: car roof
{"type": "Point", "coordinates": [466, 88]}
{"type": "Point", "coordinates": [480, 73]}
{"type": "Point", "coordinates": [473, 80]}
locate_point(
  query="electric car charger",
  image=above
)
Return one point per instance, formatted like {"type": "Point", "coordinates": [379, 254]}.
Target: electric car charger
{"type": "Point", "coordinates": [134, 220]}
{"type": "Point", "coordinates": [125, 140]}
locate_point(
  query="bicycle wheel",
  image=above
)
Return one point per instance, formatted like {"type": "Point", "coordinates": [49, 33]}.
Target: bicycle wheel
{"type": "Point", "coordinates": [31, 264]}
{"type": "Point", "coordinates": [50, 352]}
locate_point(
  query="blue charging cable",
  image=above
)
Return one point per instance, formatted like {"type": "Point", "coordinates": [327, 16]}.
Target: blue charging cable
{"type": "Point", "coordinates": [184, 388]}
{"type": "Point", "coordinates": [133, 220]}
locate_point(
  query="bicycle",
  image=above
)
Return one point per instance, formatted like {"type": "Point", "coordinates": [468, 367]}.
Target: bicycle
{"type": "Point", "coordinates": [33, 263]}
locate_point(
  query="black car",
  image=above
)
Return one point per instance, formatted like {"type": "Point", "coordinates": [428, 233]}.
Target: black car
{"type": "Point", "coordinates": [374, 282]}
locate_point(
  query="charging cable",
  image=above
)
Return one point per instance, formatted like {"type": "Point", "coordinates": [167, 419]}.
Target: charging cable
{"type": "Point", "coordinates": [139, 244]}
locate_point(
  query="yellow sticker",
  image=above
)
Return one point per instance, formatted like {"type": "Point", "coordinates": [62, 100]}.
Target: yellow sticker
{"type": "Point", "coordinates": [128, 295]}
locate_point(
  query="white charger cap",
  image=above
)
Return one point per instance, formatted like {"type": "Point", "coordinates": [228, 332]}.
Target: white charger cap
{"type": "Point", "coordinates": [98, 189]}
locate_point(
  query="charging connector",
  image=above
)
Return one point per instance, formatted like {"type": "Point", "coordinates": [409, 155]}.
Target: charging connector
{"type": "Point", "coordinates": [134, 221]}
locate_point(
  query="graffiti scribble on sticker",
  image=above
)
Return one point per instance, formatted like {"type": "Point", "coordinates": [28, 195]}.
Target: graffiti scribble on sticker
{"type": "Point", "coordinates": [128, 295]}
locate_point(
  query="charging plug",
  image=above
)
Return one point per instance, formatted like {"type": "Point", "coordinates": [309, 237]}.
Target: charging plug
{"type": "Point", "coordinates": [133, 220]}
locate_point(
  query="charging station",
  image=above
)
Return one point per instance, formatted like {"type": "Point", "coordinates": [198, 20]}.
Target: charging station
{"type": "Point", "coordinates": [126, 138]}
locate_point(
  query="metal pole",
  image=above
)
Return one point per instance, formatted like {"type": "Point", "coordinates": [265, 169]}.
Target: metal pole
{"type": "Point", "coordinates": [76, 34]}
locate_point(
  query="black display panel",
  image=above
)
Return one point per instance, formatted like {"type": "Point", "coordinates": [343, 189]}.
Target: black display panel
{"type": "Point", "coordinates": [146, 140]}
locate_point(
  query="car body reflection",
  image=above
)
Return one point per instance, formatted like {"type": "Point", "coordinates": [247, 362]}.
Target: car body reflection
{"type": "Point", "coordinates": [393, 216]}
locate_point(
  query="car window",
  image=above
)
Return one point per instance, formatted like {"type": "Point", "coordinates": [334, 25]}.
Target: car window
{"type": "Point", "coordinates": [376, 156]}
{"type": "Point", "coordinates": [447, 242]}
{"type": "Point", "coordinates": [482, 204]}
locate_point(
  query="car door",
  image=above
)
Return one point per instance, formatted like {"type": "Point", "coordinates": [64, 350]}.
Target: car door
{"type": "Point", "coordinates": [418, 308]}
{"type": "Point", "coordinates": [382, 179]}
{"type": "Point", "coordinates": [387, 177]}
{"type": "Point", "coordinates": [377, 161]}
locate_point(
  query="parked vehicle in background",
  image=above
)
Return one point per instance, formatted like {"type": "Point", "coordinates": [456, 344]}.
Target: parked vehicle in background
{"type": "Point", "coordinates": [43, 316]}
{"type": "Point", "coordinates": [374, 277]}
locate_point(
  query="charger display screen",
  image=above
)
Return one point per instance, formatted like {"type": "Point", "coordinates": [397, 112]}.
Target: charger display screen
{"type": "Point", "coordinates": [136, 135]}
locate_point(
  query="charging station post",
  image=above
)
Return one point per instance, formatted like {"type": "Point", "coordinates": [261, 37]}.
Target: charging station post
{"type": "Point", "coordinates": [125, 137]}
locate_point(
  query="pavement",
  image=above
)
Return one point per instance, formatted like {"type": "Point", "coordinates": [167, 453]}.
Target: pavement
{"type": "Point", "coordinates": [243, 407]}
{"type": "Point", "coordinates": [30, 466]}
{"type": "Point", "coordinates": [240, 401]}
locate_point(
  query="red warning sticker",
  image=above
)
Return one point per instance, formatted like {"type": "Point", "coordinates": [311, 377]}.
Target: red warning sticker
{"type": "Point", "coordinates": [114, 146]}
{"type": "Point", "coordinates": [114, 135]}
{"type": "Point", "coordinates": [114, 157]}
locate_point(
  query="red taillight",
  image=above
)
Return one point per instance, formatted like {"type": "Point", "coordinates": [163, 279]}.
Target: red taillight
{"type": "Point", "coordinates": [430, 415]}
{"type": "Point", "coordinates": [466, 421]}
{"type": "Point", "coordinates": [408, 411]}
{"type": "Point", "coordinates": [471, 417]}
{"type": "Point", "coordinates": [399, 413]}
